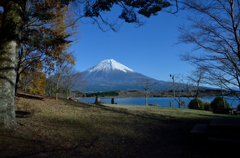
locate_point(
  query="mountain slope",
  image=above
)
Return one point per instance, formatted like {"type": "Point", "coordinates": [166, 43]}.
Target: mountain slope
{"type": "Point", "coordinates": [111, 75]}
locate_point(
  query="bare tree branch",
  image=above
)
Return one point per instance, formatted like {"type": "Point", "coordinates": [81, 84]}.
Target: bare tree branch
{"type": "Point", "coordinates": [214, 30]}
{"type": "Point", "coordinates": [147, 85]}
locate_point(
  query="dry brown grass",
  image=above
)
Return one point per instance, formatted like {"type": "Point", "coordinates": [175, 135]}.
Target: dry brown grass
{"type": "Point", "coordinates": [65, 128]}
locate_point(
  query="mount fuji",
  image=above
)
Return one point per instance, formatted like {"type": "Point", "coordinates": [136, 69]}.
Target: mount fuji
{"type": "Point", "coordinates": [110, 75]}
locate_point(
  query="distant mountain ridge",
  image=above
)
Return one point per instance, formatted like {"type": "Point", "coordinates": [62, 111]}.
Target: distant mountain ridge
{"type": "Point", "coordinates": [111, 75]}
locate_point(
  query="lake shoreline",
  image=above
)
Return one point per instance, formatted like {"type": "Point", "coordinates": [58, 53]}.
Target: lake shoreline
{"type": "Point", "coordinates": [150, 97]}
{"type": "Point", "coordinates": [162, 101]}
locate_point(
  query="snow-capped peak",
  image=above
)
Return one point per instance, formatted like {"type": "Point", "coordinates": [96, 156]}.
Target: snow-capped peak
{"type": "Point", "coordinates": [109, 65]}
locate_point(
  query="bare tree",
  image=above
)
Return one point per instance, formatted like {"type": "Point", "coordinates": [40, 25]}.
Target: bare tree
{"type": "Point", "coordinates": [65, 77]}
{"type": "Point", "coordinates": [50, 87]}
{"type": "Point", "coordinates": [214, 30]}
{"type": "Point", "coordinates": [73, 80]}
{"type": "Point", "coordinates": [179, 89]}
{"type": "Point", "coordinates": [184, 104]}
{"type": "Point", "coordinates": [179, 96]}
{"type": "Point", "coordinates": [58, 76]}
{"type": "Point", "coordinates": [220, 83]}
{"type": "Point", "coordinates": [146, 84]}
{"type": "Point", "coordinates": [189, 86]}
{"type": "Point", "coordinates": [195, 79]}
{"type": "Point", "coordinates": [27, 77]}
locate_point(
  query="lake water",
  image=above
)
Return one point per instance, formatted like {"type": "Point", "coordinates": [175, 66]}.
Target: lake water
{"type": "Point", "coordinates": [162, 101]}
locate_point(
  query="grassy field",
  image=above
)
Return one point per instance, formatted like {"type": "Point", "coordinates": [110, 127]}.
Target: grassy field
{"type": "Point", "coordinates": [65, 128]}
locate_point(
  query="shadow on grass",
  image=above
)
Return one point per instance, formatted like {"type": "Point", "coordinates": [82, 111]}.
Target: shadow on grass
{"type": "Point", "coordinates": [36, 146]}
{"type": "Point", "coordinates": [29, 97]}
{"type": "Point", "coordinates": [145, 115]}
{"type": "Point", "coordinates": [55, 150]}
{"type": "Point", "coordinates": [216, 116]}
{"type": "Point", "coordinates": [141, 114]}
{"type": "Point", "coordinates": [162, 135]}
{"type": "Point", "coordinates": [23, 114]}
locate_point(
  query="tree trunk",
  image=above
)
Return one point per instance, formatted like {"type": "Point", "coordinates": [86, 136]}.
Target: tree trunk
{"type": "Point", "coordinates": [56, 96]}
{"type": "Point", "coordinates": [223, 97]}
{"type": "Point", "coordinates": [10, 37]}
{"type": "Point", "coordinates": [20, 68]}
{"type": "Point", "coordinates": [197, 104]}
{"type": "Point", "coordinates": [199, 108]}
{"type": "Point", "coordinates": [68, 94]}
{"type": "Point", "coordinates": [18, 79]}
{"type": "Point", "coordinates": [49, 92]}
{"type": "Point", "coordinates": [146, 100]}
{"type": "Point", "coordinates": [97, 100]}
{"type": "Point", "coordinates": [179, 103]}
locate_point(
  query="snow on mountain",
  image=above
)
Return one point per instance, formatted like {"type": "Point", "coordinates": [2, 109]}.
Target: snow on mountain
{"type": "Point", "coordinates": [108, 66]}
{"type": "Point", "coordinates": [111, 75]}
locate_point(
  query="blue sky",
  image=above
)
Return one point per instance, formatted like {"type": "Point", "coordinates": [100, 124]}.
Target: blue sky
{"type": "Point", "coordinates": [150, 49]}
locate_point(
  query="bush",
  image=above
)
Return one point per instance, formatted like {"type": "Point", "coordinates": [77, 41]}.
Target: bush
{"type": "Point", "coordinates": [218, 103]}
{"type": "Point", "coordinates": [238, 107]}
{"type": "Point", "coordinates": [207, 106]}
{"type": "Point", "coordinates": [193, 104]}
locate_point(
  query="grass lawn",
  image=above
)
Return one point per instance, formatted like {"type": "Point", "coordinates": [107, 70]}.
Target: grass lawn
{"type": "Point", "coordinates": [65, 128]}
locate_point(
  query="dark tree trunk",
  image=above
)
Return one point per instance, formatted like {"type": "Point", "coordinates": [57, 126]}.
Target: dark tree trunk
{"type": "Point", "coordinates": [197, 95]}
{"type": "Point", "coordinates": [17, 83]}
{"type": "Point", "coordinates": [20, 68]}
{"type": "Point", "coordinates": [10, 37]}
{"type": "Point", "coordinates": [56, 94]}
{"type": "Point", "coordinates": [146, 100]}
{"type": "Point", "coordinates": [97, 100]}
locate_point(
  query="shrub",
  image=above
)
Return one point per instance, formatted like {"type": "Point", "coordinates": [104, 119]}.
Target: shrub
{"type": "Point", "coordinates": [193, 104]}
{"type": "Point", "coordinates": [218, 103]}
{"type": "Point", "coordinates": [207, 106]}
{"type": "Point", "coordinates": [238, 107]}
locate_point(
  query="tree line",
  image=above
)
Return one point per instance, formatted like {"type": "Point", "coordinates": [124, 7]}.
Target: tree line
{"type": "Point", "coordinates": [61, 81]}
{"type": "Point", "coordinates": [102, 94]}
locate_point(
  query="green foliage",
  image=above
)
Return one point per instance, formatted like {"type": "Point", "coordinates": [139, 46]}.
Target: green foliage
{"type": "Point", "coordinates": [207, 106]}
{"type": "Point", "coordinates": [193, 104]}
{"type": "Point", "coordinates": [218, 103]}
{"type": "Point", "coordinates": [102, 94]}
{"type": "Point", "coordinates": [143, 7]}
{"type": "Point", "coordinates": [132, 90]}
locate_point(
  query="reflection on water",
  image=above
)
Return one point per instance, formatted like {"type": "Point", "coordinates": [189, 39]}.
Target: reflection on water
{"type": "Point", "coordinates": [164, 102]}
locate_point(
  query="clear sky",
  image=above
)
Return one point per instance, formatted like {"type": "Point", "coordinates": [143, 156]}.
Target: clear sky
{"type": "Point", "coordinates": [150, 49]}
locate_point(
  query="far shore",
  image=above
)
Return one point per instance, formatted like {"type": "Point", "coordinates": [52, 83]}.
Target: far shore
{"type": "Point", "coordinates": [148, 97]}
